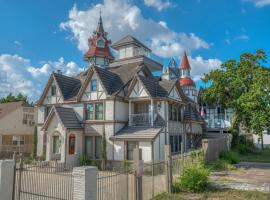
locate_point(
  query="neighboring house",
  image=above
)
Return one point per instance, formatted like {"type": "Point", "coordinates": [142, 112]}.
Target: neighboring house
{"type": "Point", "coordinates": [217, 118]}
{"type": "Point", "coordinates": [17, 122]}
{"type": "Point", "coordinates": [120, 98]}
{"type": "Point", "coordinates": [258, 141]}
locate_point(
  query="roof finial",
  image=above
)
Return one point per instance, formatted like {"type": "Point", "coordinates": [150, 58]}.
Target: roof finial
{"type": "Point", "coordinates": [100, 28]}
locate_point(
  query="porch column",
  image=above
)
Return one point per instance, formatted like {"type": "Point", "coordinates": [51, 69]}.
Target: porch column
{"type": "Point", "coordinates": [129, 113]}
{"type": "Point", "coordinates": [152, 112]}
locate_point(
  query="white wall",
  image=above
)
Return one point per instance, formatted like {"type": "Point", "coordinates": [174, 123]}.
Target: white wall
{"type": "Point", "coordinates": [121, 111]}
{"type": "Point", "coordinates": [266, 140]}
{"type": "Point", "coordinates": [53, 99]}
{"type": "Point", "coordinates": [146, 151]}
{"type": "Point", "coordinates": [94, 95]}
{"type": "Point", "coordinates": [119, 149]}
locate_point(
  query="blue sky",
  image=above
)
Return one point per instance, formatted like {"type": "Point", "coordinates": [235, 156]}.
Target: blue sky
{"type": "Point", "coordinates": [40, 36]}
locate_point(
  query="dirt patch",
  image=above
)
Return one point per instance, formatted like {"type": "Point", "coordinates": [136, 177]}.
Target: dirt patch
{"type": "Point", "coordinates": [251, 176]}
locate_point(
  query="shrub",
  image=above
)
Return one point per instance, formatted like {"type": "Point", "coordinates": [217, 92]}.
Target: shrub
{"type": "Point", "coordinates": [221, 165]}
{"type": "Point", "coordinates": [244, 149]}
{"type": "Point", "coordinates": [230, 156]}
{"type": "Point", "coordinates": [83, 160]}
{"type": "Point", "coordinates": [194, 178]}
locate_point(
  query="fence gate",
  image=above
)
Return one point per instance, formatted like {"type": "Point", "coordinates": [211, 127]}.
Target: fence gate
{"type": "Point", "coordinates": [43, 181]}
{"type": "Point", "coordinates": [116, 185]}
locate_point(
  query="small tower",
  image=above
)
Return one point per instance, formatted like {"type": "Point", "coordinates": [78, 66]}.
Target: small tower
{"type": "Point", "coordinates": [187, 84]}
{"type": "Point", "coordinates": [99, 47]}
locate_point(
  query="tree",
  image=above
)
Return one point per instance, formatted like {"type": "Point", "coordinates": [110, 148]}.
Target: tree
{"type": "Point", "coordinates": [244, 86]}
{"type": "Point", "coordinates": [104, 150]}
{"type": "Point", "coordinates": [11, 98]}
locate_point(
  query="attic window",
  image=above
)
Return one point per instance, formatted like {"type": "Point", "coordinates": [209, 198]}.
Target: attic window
{"type": "Point", "coordinates": [100, 43]}
{"type": "Point", "coordinates": [93, 85]}
{"type": "Point", "coordinates": [53, 90]}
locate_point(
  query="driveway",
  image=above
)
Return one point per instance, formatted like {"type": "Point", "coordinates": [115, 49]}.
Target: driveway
{"type": "Point", "coordinates": [248, 176]}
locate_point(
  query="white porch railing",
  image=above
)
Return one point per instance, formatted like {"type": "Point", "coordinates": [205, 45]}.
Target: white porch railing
{"type": "Point", "coordinates": [142, 119]}
{"type": "Point", "coordinates": [27, 148]}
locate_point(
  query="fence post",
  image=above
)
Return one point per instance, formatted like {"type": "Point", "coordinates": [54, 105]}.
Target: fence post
{"type": "Point", "coordinates": [85, 183]}
{"type": "Point", "coordinates": [168, 167]}
{"type": "Point", "coordinates": [6, 178]}
{"type": "Point", "coordinates": [137, 157]}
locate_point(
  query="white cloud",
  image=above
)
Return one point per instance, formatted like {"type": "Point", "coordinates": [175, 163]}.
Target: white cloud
{"type": "Point", "coordinates": [259, 3]}
{"type": "Point", "coordinates": [13, 77]}
{"type": "Point", "coordinates": [158, 4]}
{"type": "Point", "coordinates": [18, 75]}
{"type": "Point", "coordinates": [17, 43]}
{"type": "Point", "coordinates": [241, 37]}
{"type": "Point", "coordinates": [162, 40]}
{"type": "Point", "coordinates": [199, 66]}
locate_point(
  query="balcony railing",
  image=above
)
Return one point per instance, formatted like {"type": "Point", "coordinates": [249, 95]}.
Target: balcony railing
{"type": "Point", "coordinates": [142, 119]}
{"type": "Point", "coordinates": [26, 148]}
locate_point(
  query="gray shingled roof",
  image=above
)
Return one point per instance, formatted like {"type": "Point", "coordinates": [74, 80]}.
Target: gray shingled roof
{"type": "Point", "coordinates": [68, 117]}
{"type": "Point", "coordinates": [128, 40]}
{"type": "Point", "coordinates": [137, 133]}
{"type": "Point", "coordinates": [157, 88]}
{"type": "Point", "coordinates": [69, 86]}
{"type": "Point", "coordinates": [191, 114]}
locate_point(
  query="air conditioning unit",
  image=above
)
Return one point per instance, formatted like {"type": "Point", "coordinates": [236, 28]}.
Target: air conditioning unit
{"type": "Point", "coordinates": [31, 123]}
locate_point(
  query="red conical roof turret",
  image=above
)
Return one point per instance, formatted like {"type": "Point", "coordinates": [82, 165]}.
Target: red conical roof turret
{"type": "Point", "coordinates": [184, 62]}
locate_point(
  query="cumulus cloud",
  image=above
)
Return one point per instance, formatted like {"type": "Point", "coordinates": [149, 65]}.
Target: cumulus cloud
{"type": "Point", "coordinates": [201, 66]}
{"type": "Point", "coordinates": [158, 4]}
{"type": "Point", "coordinates": [259, 3]}
{"type": "Point", "coordinates": [18, 75]}
{"type": "Point", "coordinates": [162, 40]}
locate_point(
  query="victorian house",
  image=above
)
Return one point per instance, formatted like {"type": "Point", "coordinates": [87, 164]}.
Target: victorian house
{"type": "Point", "coordinates": [121, 101]}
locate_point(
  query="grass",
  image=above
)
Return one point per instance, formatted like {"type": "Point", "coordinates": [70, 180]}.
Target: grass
{"type": "Point", "coordinates": [227, 194]}
{"type": "Point", "coordinates": [257, 155]}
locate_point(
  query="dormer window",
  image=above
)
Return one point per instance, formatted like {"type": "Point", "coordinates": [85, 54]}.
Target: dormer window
{"type": "Point", "coordinates": [100, 43]}
{"type": "Point", "coordinates": [53, 90]}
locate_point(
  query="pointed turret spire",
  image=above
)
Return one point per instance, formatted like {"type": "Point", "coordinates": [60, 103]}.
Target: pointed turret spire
{"type": "Point", "coordinates": [100, 28]}
{"type": "Point", "coordinates": [184, 62]}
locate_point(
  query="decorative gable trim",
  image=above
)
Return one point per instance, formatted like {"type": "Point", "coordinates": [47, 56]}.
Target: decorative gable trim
{"type": "Point", "coordinates": [174, 94]}
{"type": "Point", "coordinates": [134, 88]}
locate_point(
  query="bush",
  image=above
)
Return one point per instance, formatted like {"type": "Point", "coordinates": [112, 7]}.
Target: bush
{"type": "Point", "coordinates": [83, 160]}
{"type": "Point", "coordinates": [194, 178]}
{"type": "Point", "coordinates": [244, 149]}
{"type": "Point", "coordinates": [230, 156]}
{"type": "Point", "coordinates": [221, 165]}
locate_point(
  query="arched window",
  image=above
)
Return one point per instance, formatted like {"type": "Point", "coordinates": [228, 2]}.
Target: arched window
{"type": "Point", "coordinates": [71, 142]}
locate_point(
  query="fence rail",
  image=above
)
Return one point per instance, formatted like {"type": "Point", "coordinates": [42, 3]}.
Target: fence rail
{"type": "Point", "coordinates": [115, 185]}
{"type": "Point", "coordinates": [43, 180]}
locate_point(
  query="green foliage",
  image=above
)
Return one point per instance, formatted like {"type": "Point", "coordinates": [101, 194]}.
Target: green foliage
{"type": "Point", "coordinates": [104, 150]}
{"type": "Point", "coordinates": [194, 178]}
{"type": "Point", "coordinates": [244, 86]}
{"type": "Point", "coordinates": [244, 149]}
{"type": "Point", "coordinates": [125, 165]}
{"type": "Point", "coordinates": [221, 165]}
{"type": "Point", "coordinates": [229, 156]}
{"type": "Point", "coordinates": [34, 150]}
{"type": "Point", "coordinates": [83, 160]}
{"type": "Point", "coordinates": [11, 98]}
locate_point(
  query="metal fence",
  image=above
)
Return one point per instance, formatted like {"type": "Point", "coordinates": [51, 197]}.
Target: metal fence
{"type": "Point", "coordinates": [116, 185]}
{"type": "Point", "coordinates": [154, 179]}
{"type": "Point", "coordinates": [43, 180]}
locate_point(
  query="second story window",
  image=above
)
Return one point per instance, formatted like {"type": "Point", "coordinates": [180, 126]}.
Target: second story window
{"type": "Point", "coordinates": [53, 90]}
{"type": "Point", "coordinates": [93, 85]}
{"type": "Point", "coordinates": [94, 111]}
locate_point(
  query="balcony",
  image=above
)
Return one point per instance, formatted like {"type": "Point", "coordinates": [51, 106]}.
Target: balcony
{"type": "Point", "coordinates": [142, 119]}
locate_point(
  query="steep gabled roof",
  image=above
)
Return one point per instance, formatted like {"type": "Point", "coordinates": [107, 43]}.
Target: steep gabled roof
{"type": "Point", "coordinates": [192, 114]}
{"type": "Point", "coordinates": [128, 40]}
{"type": "Point", "coordinates": [67, 117]}
{"type": "Point", "coordinates": [69, 86]}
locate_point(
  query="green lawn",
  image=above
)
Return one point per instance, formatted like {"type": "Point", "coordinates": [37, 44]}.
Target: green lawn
{"type": "Point", "coordinates": [216, 195]}
{"type": "Point", "coordinates": [256, 156]}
